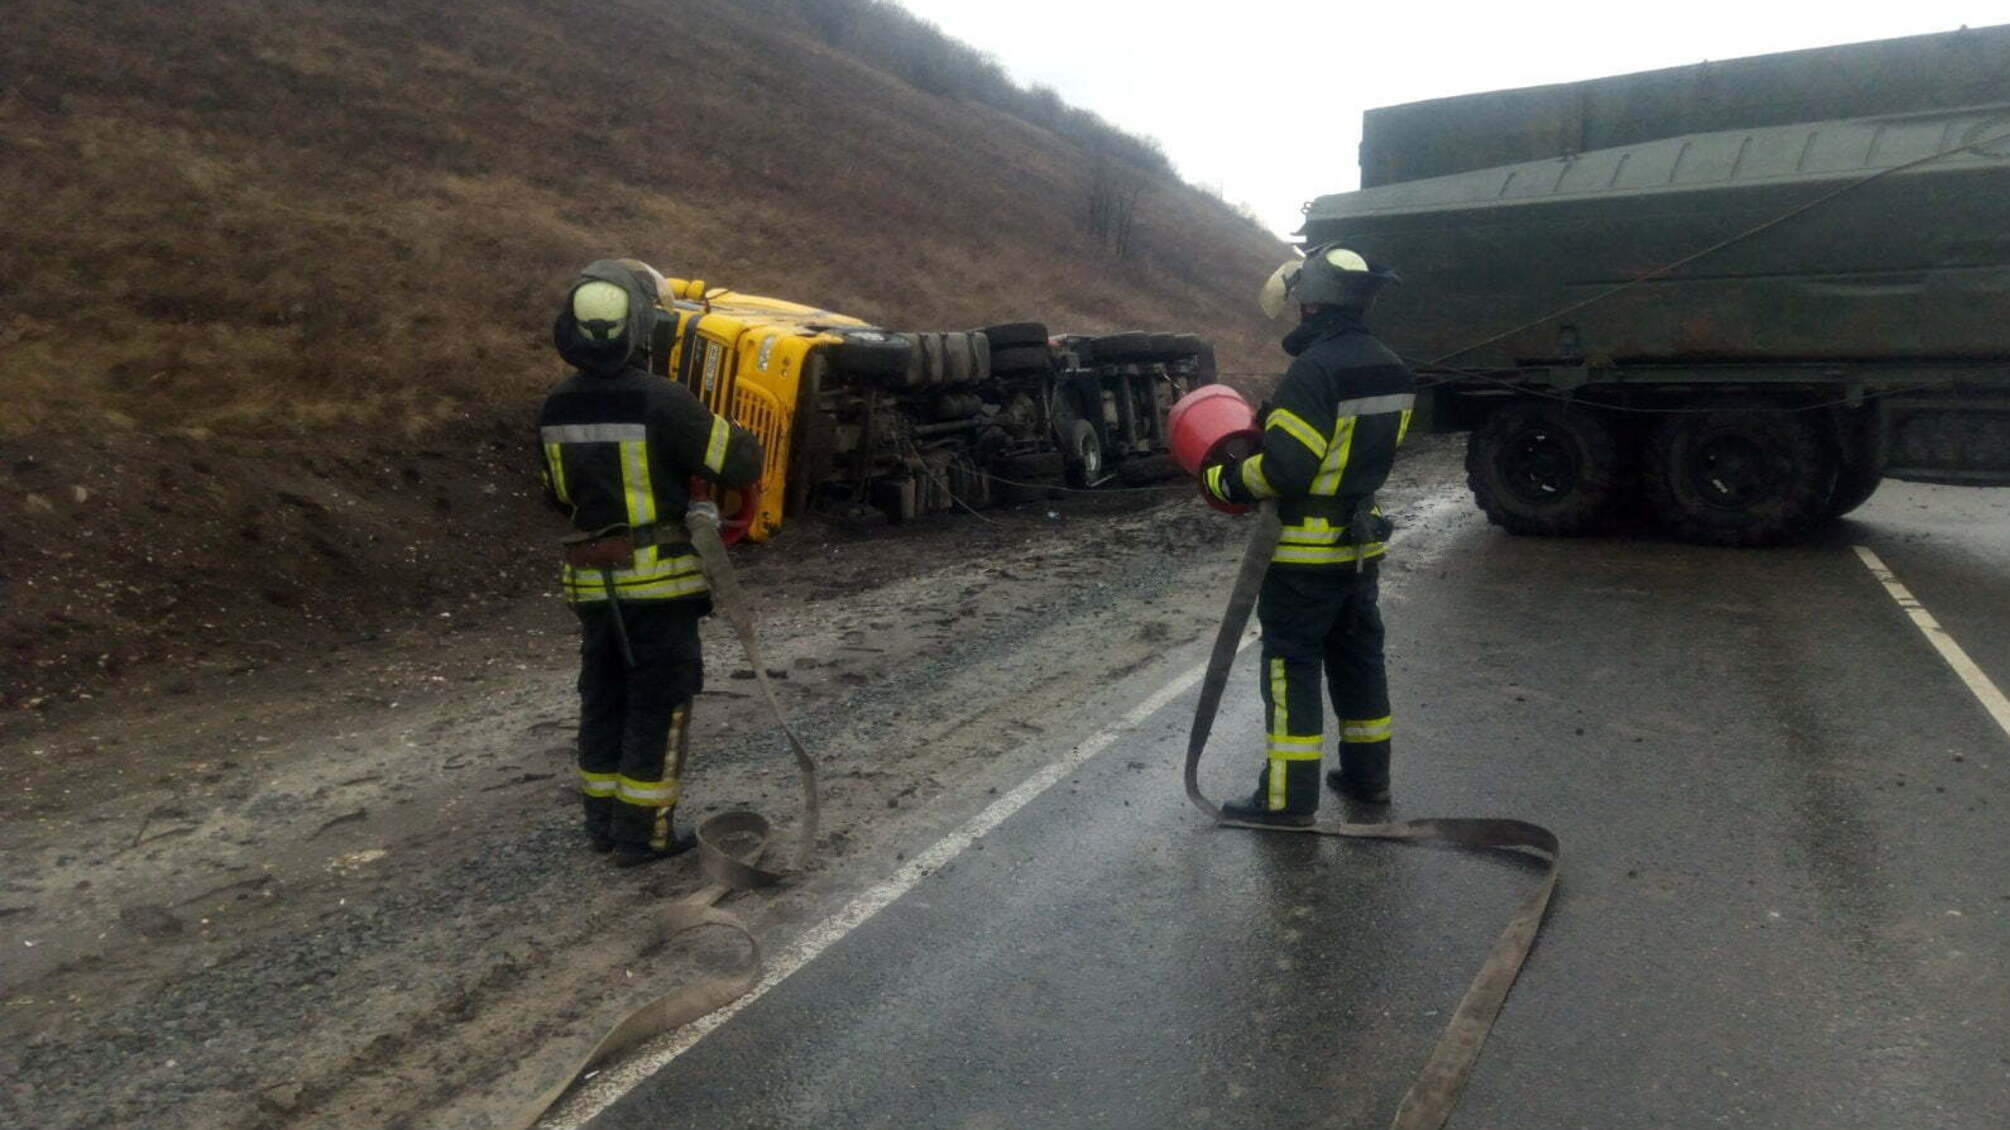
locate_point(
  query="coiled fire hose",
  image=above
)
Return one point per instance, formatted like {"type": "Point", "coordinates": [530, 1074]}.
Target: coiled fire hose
{"type": "Point", "coordinates": [730, 846]}
{"type": "Point", "coordinates": [1431, 1096]}
{"type": "Point", "coordinates": [1435, 1090]}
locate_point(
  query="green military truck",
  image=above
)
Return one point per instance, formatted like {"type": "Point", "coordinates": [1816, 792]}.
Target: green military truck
{"type": "Point", "coordinates": [1738, 294]}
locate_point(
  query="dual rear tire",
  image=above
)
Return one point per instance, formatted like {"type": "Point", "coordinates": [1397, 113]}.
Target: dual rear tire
{"type": "Point", "coordinates": [1721, 475]}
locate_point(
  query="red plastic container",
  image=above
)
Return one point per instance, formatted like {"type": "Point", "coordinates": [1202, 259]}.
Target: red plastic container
{"type": "Point", "coordinates": [1209, 425]}
{"type": "Point", "coordinates": [1203, 423]}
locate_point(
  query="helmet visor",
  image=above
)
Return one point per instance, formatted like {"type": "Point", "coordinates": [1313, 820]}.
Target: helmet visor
{"type": "Point", "coordinates": [1276, 293]}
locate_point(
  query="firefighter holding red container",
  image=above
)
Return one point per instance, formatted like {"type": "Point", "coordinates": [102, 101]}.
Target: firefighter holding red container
{"type": "Point", "coordinates": [1329, 437]}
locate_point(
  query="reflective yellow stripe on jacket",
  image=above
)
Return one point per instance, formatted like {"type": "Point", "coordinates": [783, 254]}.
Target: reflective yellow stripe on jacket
{"type": "Point", "coordinates": [1317, 541]}
{"type": "Point", "coordinates": [664, 579]}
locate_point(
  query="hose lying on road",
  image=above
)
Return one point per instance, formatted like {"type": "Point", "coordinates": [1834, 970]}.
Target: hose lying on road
{"type": "Point", "coordinates": [1435, 1091]}
{"type": "Point", "coordinates": [728, 870]}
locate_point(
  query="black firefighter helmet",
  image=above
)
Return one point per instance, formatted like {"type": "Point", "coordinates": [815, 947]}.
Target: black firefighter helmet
{"type": "Point", "coordinates": [1329, 275]}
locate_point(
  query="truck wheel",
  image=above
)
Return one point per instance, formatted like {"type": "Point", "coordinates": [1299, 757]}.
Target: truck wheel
{"type": "Point", "coordinates": [959, 359]}
{"type": "Point", "coordinates": [1113, 349]}
{"type": "Point", "coordinates": [1014, 335]}
{"type": "Point", "coordinates": [1735, 476]}
{"type": "Point", "coordinates": [1857, 470]}
{"type": "Point", "coordinates": [1545, 468]}
{"type": "Point", "coordinates": [1084, 453]}
{"type": "Point", "coordinates": [1855, 483]}
{"type": "Point", "coordinates": [1021, 359]}
{"type": "Point", "coordinates": [871, 353]}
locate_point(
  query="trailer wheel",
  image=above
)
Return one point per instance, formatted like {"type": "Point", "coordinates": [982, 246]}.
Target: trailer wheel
{"type": "Point", "coordinates": [1855, 483]}
{"type": "Point", "coordinates": [1735, 476]}
{"type": "Point", "coordinates": [1857, 470]}
{"type": "Point", "coordinates": [1544, 468]}
{"type": "Point", "coordinates": [1084, 453]}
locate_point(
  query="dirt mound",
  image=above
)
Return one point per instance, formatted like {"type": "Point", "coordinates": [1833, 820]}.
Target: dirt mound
{"type": "Point", "coordinates": [275, 280]}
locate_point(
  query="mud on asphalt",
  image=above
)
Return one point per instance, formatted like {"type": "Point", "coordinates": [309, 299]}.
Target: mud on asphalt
{"type": "Point", "coordinates": [347, 889]}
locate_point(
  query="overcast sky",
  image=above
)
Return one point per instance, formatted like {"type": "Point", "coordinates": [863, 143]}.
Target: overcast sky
{"type": "Point", "coordinates": [1263, 98]}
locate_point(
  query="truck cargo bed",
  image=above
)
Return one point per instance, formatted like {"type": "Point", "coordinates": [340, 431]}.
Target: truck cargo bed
{"type": "Point", "coordinates": [1912, 264]}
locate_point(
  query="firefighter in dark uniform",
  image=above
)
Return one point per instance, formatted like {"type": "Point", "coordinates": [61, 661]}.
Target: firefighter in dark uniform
{"type": "Point", "coordinates": [621, 447]}
{"type": "Point", "coordinates": [1330, 435]}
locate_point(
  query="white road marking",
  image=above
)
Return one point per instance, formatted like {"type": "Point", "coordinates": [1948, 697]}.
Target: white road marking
{"type": "Point", "coordinates": [610, 1085]}
{"type": "Point", "coordinates": [1978, 682]}
{"type": "Point", "coordinates": [604, 1088]}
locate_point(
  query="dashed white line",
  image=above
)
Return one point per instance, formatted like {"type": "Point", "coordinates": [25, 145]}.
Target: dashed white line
{"type": "Point", "coordinates": [1978, 682]}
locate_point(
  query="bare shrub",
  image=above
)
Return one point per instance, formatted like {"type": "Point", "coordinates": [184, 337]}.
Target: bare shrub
{"type": "Point", "coordinates": [1110, 216]}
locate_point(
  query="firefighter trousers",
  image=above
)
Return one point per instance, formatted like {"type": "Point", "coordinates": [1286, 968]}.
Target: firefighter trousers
{"type": "Point", "coordinates": [1314, 619]}
{"type": "Point", "coordinates": [633, 721]}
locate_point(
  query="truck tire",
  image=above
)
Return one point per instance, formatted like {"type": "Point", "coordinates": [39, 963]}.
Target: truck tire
{"type": "Point", "coordinates": [1083, 451]}
{"type": "Point", "coordinates": [1545, 468]}
{"type": "Point", "coordinates": [933, 367]}
{"type": "Point", "coordinates": [1855, 483]}
{"type": "Point", "coordinates": [959, 359]}
{"type": "Point", "coordinates": [1115, 349]}
{"type": "Point", "coordinates": [1013, 335]}
{"type": "Point", "coordinates": [1738, 475]}
{"type": "Point", "coordinates": [871, 353]}
{"type": "Point", "coordinates": [1020, 359]}
{"type": "Point", "coordinates": [1857, 470]}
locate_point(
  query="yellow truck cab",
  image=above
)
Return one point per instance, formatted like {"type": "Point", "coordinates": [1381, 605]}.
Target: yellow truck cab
{"type": "Point", "coordinates": [910, 423]}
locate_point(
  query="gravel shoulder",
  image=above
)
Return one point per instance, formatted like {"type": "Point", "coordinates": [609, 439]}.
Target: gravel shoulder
{"type": "Point", "coordinates": [348, 890]}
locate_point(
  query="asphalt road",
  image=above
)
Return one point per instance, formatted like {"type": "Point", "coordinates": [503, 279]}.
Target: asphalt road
{"type": "Point", "coordinates": [1785, 900]}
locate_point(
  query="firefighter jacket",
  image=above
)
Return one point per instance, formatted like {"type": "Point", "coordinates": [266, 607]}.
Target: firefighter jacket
{"type": "Point", "coordinates": [621, 447]}
{"type": "Point", "coordinates": [621, 450]}
{"type": "Point", "coordinates": [1330, 435]}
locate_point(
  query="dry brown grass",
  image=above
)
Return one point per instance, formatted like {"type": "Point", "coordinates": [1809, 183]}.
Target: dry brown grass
{"type": "Point", "coordinates": [248, 215]}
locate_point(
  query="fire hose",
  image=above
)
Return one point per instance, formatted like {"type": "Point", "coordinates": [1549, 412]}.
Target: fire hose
{"type": "Point", "coordinates": [730, 847]}
{"type": "Point", "coordinates": [1435, 1090]}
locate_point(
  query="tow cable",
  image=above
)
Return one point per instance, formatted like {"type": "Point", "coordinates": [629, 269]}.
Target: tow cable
{"type": "Point", "coordinates": [1435, 1090]}
{"type": "Point", "coordinates": [730, 847]}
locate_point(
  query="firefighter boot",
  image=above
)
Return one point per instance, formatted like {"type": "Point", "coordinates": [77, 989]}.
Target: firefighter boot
{"type": "Point", "coordinates": [598, 811]}
{"type": "Point", "coordinates": [671, 842]}
{"type": "Point", "coordinates": [1298, 801]}
{"type": "Point", "coordinates": [1363, 775]}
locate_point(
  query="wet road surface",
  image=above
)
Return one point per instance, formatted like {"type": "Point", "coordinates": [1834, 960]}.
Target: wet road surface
{"type": "Point", "coordinates": [1785, 898]}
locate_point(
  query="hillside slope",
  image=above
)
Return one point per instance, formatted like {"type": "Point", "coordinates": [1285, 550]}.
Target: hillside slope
{"type": "Point", "coordinates": [276, 277]}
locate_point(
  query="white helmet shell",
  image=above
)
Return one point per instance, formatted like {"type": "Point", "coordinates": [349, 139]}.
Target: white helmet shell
{"type": "Point", "coordinates": [600, 309]}
{"type": "Point", "coordinates": [1345, 260]}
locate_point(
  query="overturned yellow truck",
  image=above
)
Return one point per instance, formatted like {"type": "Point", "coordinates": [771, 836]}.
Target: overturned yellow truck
{"type": "Point", "coordinates": [854, 415]}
